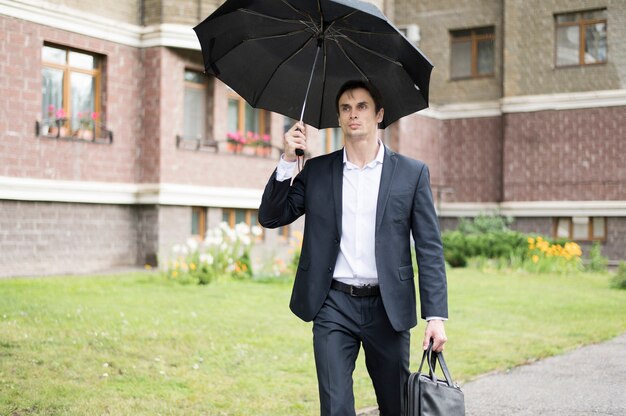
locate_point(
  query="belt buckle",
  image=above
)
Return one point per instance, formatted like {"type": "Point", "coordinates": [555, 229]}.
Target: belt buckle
{"type": "Point", "coordinates": [353, 290]}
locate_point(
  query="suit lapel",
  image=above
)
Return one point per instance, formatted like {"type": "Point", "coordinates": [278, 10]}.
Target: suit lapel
{"type": "Point", "coordinates": [337, 182]}
{"type": "Point", "coordinates": [386, 178]}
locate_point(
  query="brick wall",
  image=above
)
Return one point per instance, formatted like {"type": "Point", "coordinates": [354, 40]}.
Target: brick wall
{"type": "Point", "coordinates": [174, 228]}
{"type": "Point", "coordinates": [41, 238]}
{"type": "Point", "coordinates": [147, 234]}
{"type": "Point", "coordinates": [464, 155]}
{"type": "Point", "coordinates": [435, 19]}
{"type": "Point", "coordinates": [22, 154]}
{"type": "Point", "coordinates": [565, 155]}
{"type": "Point", "coordinates": [530, 45]}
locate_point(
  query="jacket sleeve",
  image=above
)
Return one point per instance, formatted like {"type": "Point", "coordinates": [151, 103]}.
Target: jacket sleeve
{"type": "Point", "coordinates": [429, 250]}
{"type": "Point", "coordinates": [282, 202]}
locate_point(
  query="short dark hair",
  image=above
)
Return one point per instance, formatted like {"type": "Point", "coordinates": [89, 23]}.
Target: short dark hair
{"type": "Point", "coordinates": [369, 87]}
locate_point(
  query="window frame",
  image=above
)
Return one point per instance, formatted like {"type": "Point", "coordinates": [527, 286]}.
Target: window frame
{"type": "Point", "coordinates": [202, 217]}
{"type": "Point", "coordinates": [474, 39]}
{"type": "Point", "coordinates": [67, 69]}
{"type": "Point", "coordinates": [204, 87]}
{"type": "Point", "coordinates": [241, 114]}
{"type": "Point", "coordinates": [590, 229]}
{"type": "Point", "coordinates": [582, 37]}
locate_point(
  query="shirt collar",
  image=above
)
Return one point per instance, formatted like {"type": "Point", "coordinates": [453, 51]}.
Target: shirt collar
{"type": "Point", "coordinates": [380, 156]}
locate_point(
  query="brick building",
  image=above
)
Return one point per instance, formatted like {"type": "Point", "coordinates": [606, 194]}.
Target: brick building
{"type": "Point", "coordinates": [113, 145]}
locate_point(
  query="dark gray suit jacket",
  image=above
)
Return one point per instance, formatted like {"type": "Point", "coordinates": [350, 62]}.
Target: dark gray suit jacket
{"type": "Point", "coordinates": [405, 205]}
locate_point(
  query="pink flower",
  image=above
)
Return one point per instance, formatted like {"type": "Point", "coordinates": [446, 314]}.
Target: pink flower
{"type": "Point", "coordinates": [61, 113]}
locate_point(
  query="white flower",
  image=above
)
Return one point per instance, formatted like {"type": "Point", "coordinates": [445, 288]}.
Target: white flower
{"type": "Point", "coordinates": [192, 244]}
{"type": "Point", "coordinates": [177, 248]}
{"type": "Point", "coordinates": [206, 258]}
{"type": "Point", "coordinates": [242, 229]}
{"type": "Point", "coordinates": [256, 231]}
{"type": "Point", "coordinates": [245, 240]}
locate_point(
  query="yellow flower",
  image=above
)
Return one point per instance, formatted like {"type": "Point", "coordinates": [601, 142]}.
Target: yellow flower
{"type": "Point", "coordinates": [147, 267]}
{"type": "Point", "coordinates": [192, 266]}
{"type": "Point", "coordinates": [174, 273]}
{"type": "Point", "coordinates": [535, 258]}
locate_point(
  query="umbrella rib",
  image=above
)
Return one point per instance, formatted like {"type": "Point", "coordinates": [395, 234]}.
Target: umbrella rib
{"type": "Point", "coordinates": [280, 35]}
{"type": "Point", "coordinates": [358, 68]}
{"type": "Point", "coordinates": [269, 79]}
{"type": "Point", "coordinates": [373, 52]}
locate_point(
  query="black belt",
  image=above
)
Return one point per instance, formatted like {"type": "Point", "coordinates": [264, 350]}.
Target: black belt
{"type": "Point", "coordinates": [357, 291]}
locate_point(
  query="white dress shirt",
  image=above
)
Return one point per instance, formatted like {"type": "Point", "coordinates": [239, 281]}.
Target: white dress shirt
{"type": "Point", "coordinates": [356, 263]}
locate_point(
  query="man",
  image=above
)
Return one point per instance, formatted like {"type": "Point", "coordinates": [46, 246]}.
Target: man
{"type": "Point", "coordinates": [355, 277]}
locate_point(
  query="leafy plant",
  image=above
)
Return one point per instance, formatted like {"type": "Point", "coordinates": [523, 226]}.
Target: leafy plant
{"type": "Point", "coordinates": [619, 280]}
{"type": "Point", "coordinates": [597, 262]}
{"type": "Point", "coordinates": [225, 252]}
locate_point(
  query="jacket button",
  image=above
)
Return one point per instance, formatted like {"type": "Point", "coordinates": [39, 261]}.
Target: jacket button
{"type": "Point", "coordinates": [336, 241]}
{"type": "Point", "coordinates": [330, 269]}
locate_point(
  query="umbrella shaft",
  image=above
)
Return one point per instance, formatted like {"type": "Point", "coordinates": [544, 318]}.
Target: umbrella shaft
{"type": "Point", "coordinates": [317, 52]}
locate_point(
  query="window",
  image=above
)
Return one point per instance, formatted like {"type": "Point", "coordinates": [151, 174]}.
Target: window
{"type": "Point", "coordinates": [580, 228]}
{"type": "Point", "coordinates": [580, 38]}
{"type": "Point", "coordinates": [332, 139]}
{"type": "Point", "coordinates": [71, 82]}
{"type": "Point", "coordinates": [472, 53]}
{"type": "Point", "coordinates": [195, 106]}
{"type": "Point", "coordinates": [244, 118]}
{"type": "Point", "coordinates": [234, 216]}
{"type": "Point", "coordinates": [198, 222]}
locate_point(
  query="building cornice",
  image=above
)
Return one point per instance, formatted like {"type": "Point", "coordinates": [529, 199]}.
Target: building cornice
{"type": "Point", "coordinates": [462, 110]}
{"type": "Point", "coordinates": [564, 101]}
{"type": "Point", "coordinates": [527, 103]}
{"type": "Point", "coordinates": [27, 189]}
{"type": "Point", "coordinates": [49, 190]}
{"type": "Point", "coordinates": [72, 20]}
{"type": "Point", "coordinates": [535, 209]}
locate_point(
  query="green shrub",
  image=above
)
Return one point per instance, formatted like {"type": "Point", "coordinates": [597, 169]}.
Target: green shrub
{"type": "Point", "coordinates": [597, 262]}
{"type": "Point", "coordinates": [488, 242]}
{"type": "Point", "coordinates": [483, 224]}
{"type": "Point", "coordinates": [460, 246]}
{"type": "Point", "coordinates": [619, 280]}
{"type": "Point", "coordinates": [454, 248]}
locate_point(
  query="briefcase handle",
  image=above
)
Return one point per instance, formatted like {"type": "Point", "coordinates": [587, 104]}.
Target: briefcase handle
{"type": "Point", "coordinates": [433, 357]}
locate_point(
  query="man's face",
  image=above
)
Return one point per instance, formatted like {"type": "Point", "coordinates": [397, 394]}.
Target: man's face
{"type": "Point", "coordinates": [357, 114]}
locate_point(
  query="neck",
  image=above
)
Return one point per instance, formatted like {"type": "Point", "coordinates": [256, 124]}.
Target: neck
{"type": "Point", "coordinates": [361, 152]}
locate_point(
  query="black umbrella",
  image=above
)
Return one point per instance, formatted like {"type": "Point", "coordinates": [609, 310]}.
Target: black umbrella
{"type": "Point", "coordinates": [274, 52]}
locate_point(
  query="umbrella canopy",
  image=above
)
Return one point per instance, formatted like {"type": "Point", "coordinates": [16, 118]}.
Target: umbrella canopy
{"type": "Point", "coordinates": [281, 55]}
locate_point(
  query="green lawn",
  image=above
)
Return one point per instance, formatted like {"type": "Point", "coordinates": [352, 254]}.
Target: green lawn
{"type": "Point", "coordinates": [138, 345]}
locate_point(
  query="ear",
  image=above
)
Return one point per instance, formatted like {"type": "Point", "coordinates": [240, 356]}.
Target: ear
{"type": "Point", "coordinates": [380, 115]}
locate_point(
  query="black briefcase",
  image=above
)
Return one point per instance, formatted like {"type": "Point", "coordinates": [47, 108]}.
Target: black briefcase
{"type": "Point", "coordinates": [429, 396]}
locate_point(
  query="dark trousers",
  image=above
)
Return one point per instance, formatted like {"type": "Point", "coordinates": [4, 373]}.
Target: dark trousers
{"type": "Point", "coordinates": [341, 326]}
